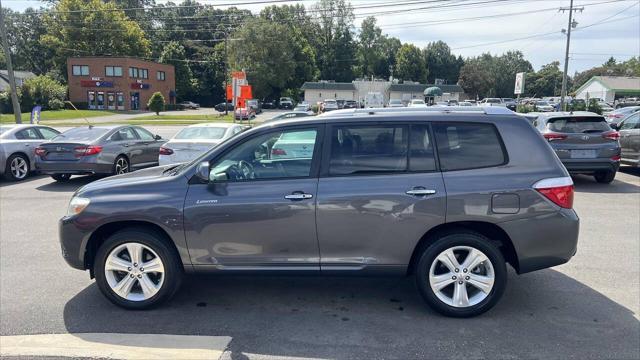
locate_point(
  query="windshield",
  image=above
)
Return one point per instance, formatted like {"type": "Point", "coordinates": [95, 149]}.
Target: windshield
{"type": "Point", "coordinates": [330, 101]}
{"type": "Point", "coordinates": [541, 103]}
{"type": "Point", "coordinates": [81, 134]}
{"type": "Point", "coordinates": [586, 124]}
{"type": "Point", "coordinates": [417, 101]}
{"type": "Point", "coordinates": [201, 133]}
{"type": "Point", "coordinates": [494, 101]}
{"type": "Point", "coordinates": [395, 102]}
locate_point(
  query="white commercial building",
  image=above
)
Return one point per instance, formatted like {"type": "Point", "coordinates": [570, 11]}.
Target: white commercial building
{"type": "Point", "coordinates": [609, 88]}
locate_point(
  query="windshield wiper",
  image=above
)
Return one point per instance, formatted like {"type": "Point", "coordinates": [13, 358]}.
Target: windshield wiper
{"type": "Point", "coordinates": [172, 168]}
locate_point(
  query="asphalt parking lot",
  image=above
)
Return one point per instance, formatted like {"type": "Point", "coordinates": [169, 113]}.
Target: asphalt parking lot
{"type": "Point", "coordinates": [586, 309]}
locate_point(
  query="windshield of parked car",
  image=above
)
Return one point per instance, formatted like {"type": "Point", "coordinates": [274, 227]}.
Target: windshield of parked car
{"type": "Point", "coordinates": [201, 133]}
{"type": "Point", "coordinates": [81, 134]}
{"type": "Point", "coordinates": [585, 124]}
{"type": "Point", "coordinates": [418, 102]}
{"type": "Point", "coordinates": [330, 101]}
{"type": "Point", "coordinates": [395, 102]}
{"type": "Point", "coordinates": [542, 103]}
{"type": "Point", "coordinates": [494, 101]}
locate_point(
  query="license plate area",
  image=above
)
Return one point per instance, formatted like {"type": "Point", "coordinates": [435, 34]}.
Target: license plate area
{"type": "Point", "coordinates": [583, 154]}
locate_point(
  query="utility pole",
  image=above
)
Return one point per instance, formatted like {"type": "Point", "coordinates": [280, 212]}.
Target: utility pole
{"type": "Point", "coordinates": [226, 59]}
{"type": "Point", "coordinates": [12, 79]}
{"type": "Point", "coordinates": [571, 24]}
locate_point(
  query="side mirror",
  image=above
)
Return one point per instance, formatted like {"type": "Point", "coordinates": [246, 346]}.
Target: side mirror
{"type": "Point", "coordinates": [158, 137]}
{"type": "Point", "coordinates": [202, 171]}
{"type": "Point", "coordinates": [616, 126]}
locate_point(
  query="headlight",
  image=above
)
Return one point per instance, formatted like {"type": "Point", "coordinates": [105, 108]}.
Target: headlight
{"type": "Point", "coordinates": [77, 205]}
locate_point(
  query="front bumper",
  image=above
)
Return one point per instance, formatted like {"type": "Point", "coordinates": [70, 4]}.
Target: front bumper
{"type": "Point", "coordinates": [544, 241]}
{"type": "Point", "coordinates": [73, 241]}
{"type": "Point", "coordinates": [77, 168]}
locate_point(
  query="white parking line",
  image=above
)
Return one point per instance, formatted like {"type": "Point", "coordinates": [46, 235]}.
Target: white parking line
{"type": "Point", "coordinates": [115, 346]}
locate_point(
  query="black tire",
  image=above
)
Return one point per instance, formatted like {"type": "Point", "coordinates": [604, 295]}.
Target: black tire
{"type": "Point", "coordinates": [9, 174]}
{"type": "Point", "coordinates": [173, 270]}
{"type": "Point", "coordinates": [61, 177]}
{"type": "Point", "coordinates": [453, 239]}
{"type": "Point", "coordinates": [121, 161]}
{"type": "Point", "coordinates": [605, 177]}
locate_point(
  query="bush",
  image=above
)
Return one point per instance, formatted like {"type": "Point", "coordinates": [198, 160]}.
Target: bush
{"type": "Point", "coordinates": [523, 108]}
{"type": "Point", "coordinates": [156, 103]}
{"type": "Point", "coordinates": [55, 104]}
{"type": "Point", "coordinates": [315, 108]}
{"type": "Point", "coordinates": [594, 107]}
{"type": "Point", "coordinates": [41, 90]}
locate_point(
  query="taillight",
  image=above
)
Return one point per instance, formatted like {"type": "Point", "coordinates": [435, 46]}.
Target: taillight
{"type": "Point", "coordinates": [165, 151]}
{"type": "Point", "coordinates": [611, 135]}
{"type": "Point", "coordinates": [554, 136]}
{"type": "Point", "coordinates": [80, 151]}
{"type": "Point", "coordinates": [558, 190]}
{"type": "Point", "coordinates": [40, 151]}
{"type": "Point", "coordinates": [278, 152]}
{"type": "Point", "coordinates": [616, 158]}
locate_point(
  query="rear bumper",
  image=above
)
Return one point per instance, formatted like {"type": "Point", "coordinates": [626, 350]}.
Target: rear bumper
{"type": "Point", "coordinates": [545, 240]}
{"type": "Point", "coordinates": [590, 165]}
{"type": "Point", "coordinates": [78, 168]}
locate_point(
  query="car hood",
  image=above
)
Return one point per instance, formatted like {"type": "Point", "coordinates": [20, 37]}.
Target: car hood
{"type": "Point", "coordinates": [141, 178]}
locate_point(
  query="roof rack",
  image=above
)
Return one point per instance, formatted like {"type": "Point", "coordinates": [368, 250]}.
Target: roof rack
{"type": "Point", "coordinates": [488, 110]}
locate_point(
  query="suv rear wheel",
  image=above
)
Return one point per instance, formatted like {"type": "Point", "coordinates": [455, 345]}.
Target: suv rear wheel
{"type": "Point", "coordinates": [135, 269]}
{"type": "Point", "coordinates": [461, 274]}
{"type": "Point", "coordinates": [605, 177]}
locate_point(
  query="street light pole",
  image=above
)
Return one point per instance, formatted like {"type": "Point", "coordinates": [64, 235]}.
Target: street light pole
{"type": "Point", "coordinates": [563, 92]}
{"type": "Point", "coordinates": [12, 79]}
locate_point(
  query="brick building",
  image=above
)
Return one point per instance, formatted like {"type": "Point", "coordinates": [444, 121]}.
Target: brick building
{"type": "Point", "coordinates": [118, 83]}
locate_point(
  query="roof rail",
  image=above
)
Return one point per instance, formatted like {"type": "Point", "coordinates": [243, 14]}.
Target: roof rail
{"type": "Point", "coordinates": [488, 110]}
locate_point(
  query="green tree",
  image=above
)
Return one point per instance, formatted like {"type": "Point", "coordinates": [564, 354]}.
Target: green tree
{"type": "Point", "coordinates": [156, 102]}
{"type": "Point", "coordinates": [545, 82]}
{"type": "Point", "coordinates": [505, 69]}
{"type": "Point", "coordinates": [410, 64]}
{"type": "Point", "coordinates": [442, 64]}
{"type": "Point", "coordinates": [91, 27]}
{"type": "Point", "coordinates": [267, 54]}
{"type": "Point", "coordinates": [173, 53]}
{"type": "Point", "coordinates": [334, 43]}
{"type": "Point", "coordinates": [370, 51]}
{"type": "Point", "coordinates": [612, 67]}
{"type": "Point", "coordinates": [475, 79]}
{"type": "Point", "coordinates": [386, 65]}
{"type": "Point", "coordinates": [23, 35]}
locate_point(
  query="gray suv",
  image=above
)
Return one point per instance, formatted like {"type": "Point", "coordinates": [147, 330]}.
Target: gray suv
{"type": "Point", "coordinates": [583, 141]}
{"type": "Point", "coordinates": [445, 195]}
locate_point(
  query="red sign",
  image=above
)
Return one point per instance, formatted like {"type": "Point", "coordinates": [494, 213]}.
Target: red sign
{"type": "Point", "coordinates": [245, 91]}
{"type": "Point", "coordinates": [94, 83]}
{"type": "Point", "coordinates": [136, 86]}
{"type": "Point", "coordinates": [229, 93]}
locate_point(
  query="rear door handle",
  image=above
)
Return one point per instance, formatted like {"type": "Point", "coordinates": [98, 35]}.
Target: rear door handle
{"type": "Point", "coordinates": [420, 192]}
{"type": "Point", "coordinates": [298, 196]}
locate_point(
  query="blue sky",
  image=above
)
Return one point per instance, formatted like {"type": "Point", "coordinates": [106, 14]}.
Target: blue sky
{"type": "Point", "coordinates": [474, 29]}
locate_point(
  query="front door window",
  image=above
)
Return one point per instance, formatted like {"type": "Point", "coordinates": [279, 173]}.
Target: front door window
{"type": "Point", "coordinates": [135, 101]}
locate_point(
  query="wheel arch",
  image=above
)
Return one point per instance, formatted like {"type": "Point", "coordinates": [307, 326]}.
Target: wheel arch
{"type": "Point", "coordinates": [492, 231]}
{"type": "Point", "coordinates": [102, 233]}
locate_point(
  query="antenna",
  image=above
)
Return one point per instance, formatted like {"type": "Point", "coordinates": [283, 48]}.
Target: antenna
{"type": "Point", "coordinates": [76, 109]}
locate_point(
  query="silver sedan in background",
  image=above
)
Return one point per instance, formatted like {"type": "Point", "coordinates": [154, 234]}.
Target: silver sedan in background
{"type": "Point", "coordinates": [17, 144]}
{"type": "Point", "coordinates": [195, 140]}
{"type": "Point", "coordinates": [98, 150]}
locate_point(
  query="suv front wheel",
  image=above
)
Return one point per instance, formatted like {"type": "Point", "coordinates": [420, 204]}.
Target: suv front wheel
{"type": "Point", "coordinates": [135, 269]}
{"type": "Point", "coordinates": [462, 274]}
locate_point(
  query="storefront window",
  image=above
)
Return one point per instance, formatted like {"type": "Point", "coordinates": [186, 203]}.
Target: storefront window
{"type": "Point", "coordinates": [120, 101]}
{"type": "Point", "coordinates": [100, 100]}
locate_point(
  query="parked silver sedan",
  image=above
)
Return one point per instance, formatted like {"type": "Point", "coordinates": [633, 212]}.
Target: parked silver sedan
{"type": "Point", "coordinates": [98, 150]}
{"type": "Point", "coordinates": [17, 144]}
{"type": "Point", "coordinates": [195, 140]}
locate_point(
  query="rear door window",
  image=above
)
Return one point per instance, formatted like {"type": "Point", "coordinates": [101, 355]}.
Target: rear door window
{"type": "Point", "coordinates": [368, 149]}
{"type": "Point", "coordinates": [468, 146]}
{"type": "Point", "coordinates": [577, 124]}
{"type": "Point", "coordinates": [421, 157]}
{"type": "Point", "coordinates": [632, 122]}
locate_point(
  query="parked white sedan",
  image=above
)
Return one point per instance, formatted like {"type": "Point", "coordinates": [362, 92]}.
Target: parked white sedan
{"type": "Point", "coordinates": [194, 140]}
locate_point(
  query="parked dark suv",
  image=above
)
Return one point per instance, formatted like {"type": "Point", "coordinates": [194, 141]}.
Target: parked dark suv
{"type": "Point", "coordinates": [583, 141]}
{"type": "Point", "coordinates": [444, 195]}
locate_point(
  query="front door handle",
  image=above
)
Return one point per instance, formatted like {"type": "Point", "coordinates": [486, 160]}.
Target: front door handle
{"type": "Point", "coordinates": [296, 196]}
{"type": "Point", "coordinates": [420, 191]}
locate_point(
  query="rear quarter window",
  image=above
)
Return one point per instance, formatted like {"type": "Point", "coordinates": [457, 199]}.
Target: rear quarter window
{"type": "Point", "coordinates": [468, 146]}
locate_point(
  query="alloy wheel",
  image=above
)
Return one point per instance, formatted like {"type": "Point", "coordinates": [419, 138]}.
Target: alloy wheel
{"type": "Point", "coordinates": [19, 168]}
{"type": "Point", "coordinates": [461, 276]}
{"type": "Point", "coordinates": [134, 271]}
{"type": "Point", "coordinates": [122, 166]}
